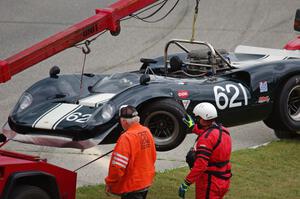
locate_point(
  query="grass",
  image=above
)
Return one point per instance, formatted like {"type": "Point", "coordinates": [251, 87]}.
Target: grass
{"type": "Point", "coordinates": [271, 171]}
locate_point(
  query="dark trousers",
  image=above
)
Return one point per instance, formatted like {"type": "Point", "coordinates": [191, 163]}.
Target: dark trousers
{"type": "Point", "coordinates": [135, 195]}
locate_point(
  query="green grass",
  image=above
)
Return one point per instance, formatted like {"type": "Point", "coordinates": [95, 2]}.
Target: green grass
{"type": "Point", "coordinates": [271, 171]}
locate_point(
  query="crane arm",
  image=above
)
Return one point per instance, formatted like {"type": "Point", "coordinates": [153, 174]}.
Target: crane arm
{"type": "Point", "coordinates": [104, 19]}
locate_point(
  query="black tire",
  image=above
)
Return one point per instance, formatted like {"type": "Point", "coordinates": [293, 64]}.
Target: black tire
{"type": "Point", "coordinates": [285, 134]}
{"type": "Point", "coordinates": [29, 192]}
{"type": "Point", "coordinates": [164, 119]}
{"type": "Point", "coordinates": [285, 118]}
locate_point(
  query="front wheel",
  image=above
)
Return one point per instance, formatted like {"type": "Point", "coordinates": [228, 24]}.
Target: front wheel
{"type": "Point", "coordinates": [164, 119]}
{"type": "Point", "coordinates": [29, 192]}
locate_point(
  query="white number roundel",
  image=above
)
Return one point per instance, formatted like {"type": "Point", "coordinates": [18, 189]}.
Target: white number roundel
{"type": "Point", "coordinates": [221, 95]}
{"type": "Point", "coordinates": [78, 117]}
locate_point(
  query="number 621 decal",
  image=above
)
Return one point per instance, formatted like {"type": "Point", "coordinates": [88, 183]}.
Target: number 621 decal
{"type": "Point", "coordinates": [221, 94]}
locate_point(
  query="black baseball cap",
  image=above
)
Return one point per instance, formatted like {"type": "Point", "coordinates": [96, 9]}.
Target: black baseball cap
{"type": "Point", "coordinates": [127, 111]}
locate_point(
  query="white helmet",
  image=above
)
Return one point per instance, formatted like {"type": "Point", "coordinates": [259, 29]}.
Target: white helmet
{"type": "Point", "coordinates": [206, 111]}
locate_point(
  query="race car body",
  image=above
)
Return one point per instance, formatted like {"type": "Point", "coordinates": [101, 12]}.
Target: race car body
{"type": "Point", "coordinates": [57, 111]}
{"type": "Point", "coordinates": [250, 55]}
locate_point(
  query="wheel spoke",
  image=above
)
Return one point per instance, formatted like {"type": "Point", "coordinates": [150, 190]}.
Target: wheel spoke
{"type": "Point", "coordinates": [294, 103]}
{"type": "Point", "coordinates": [155, 134]}
{"type": "Point", "coordinates": [168, 132]}
{"type": "Point", "coordinates": [294, 100]}
{"type": "Point", "coordinates": [293, 108]}
{"type": "Point", "coordinates": [159, 133]}
{"type": "Point", "coordinates": [165, 133]}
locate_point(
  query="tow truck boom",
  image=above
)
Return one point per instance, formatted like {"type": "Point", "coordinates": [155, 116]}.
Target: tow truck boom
{"type": "Point", "coordinates": [21, 172]}
{"type": "Point", "coordinates": [104, 19]}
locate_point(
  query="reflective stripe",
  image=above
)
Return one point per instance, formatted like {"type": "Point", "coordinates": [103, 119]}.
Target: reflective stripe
{"type": "Point", "coordinates": [205, 158]}
{"type": "Point", "coordinates": [120, 160]}
{"type": "Point", "coordinates": [224, 175]}
{"type": "Point", "coordinates": [218, 164]}
{"type": "Point", "coordinates": [203, 148]}
{"type": "Point", "coordinates": [208, 186]}
{"type": "Point", "coordinates": [121, 156]}
{"type": "Point", "coordinates": [208, 154]}
{"type": "Point", "coordinates": [118, 163]}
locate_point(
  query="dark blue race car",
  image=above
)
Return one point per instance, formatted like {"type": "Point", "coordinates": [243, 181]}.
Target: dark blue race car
{"type": "Point", "coordinates": [244, 87]}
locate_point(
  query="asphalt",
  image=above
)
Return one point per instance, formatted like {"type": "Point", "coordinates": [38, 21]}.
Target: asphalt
{"type": "Point", "coordinates": [223, 23]}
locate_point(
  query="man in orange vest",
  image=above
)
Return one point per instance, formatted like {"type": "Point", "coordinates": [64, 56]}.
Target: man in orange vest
{"type": "Point", "coordinates": [209, 159]}
{"type": "Point", "coordinates": [131, 170]}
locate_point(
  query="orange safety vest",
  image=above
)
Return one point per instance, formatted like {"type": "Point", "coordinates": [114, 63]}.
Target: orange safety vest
{"type": "Point", "coordinates": [132, 163]}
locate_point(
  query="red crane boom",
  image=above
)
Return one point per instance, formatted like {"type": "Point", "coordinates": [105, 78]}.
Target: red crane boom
{"type": "Point", "coordinates": [104, 19]}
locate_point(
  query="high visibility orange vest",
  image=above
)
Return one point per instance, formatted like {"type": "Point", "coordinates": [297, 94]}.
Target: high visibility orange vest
{"type": "Point", "coordinates": [132, 163]}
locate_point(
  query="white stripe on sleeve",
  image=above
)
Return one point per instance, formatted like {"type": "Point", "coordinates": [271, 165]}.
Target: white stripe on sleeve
{"type": "Point", "coordinates": [120, 160]}
{"type": "Point", "coordinates": [118, 163]}
{"type": "Point", "coordinates": [121, 156]}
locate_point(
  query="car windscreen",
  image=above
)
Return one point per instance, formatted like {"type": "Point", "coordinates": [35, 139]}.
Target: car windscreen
{"type": "Point", "coordinates": [116, 83]}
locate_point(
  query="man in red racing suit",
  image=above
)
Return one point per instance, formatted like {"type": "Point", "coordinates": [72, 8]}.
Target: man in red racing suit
{"type": "Point", "coordinates": [211, 170]}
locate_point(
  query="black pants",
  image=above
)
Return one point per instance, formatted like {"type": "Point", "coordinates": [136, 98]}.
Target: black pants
{"type": "Point", "coordinates": [135, 195]}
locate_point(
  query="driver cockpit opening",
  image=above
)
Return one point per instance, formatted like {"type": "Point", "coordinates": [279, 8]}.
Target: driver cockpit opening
{"type": "Point", "coordinates": [196, 62]}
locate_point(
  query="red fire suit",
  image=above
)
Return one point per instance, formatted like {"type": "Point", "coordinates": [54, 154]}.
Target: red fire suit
{"type": "Point", "coordinates": [212, 170]}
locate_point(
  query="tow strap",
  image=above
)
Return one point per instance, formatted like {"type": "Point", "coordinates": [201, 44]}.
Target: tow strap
{"type": "Point", "coordinates": [93, 160]}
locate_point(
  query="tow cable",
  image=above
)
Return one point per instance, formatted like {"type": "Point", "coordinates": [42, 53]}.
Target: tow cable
{"type": "Point", "coordinates": [85, 50]}
{"type": "Point", "coordinates": [195, 19]}
{"type": "Point", "coordinates": [90, 162]}
{"type": "Point", "coordinates": [93, 161]}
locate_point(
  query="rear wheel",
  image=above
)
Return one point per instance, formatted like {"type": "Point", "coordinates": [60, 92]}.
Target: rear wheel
{"type": "Point", "coordinates": [164, 119]}
{"type": "Point", "coordinates": [29, 192]}
{"type": "Point", "coordinates": [285, 134]}
{"type": "Point", "coordinates": [285, 119]}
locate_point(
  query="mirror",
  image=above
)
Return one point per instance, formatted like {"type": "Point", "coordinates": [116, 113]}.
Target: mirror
{"type": "Point", "coordinates": [144, 79]}
{"type": "Point", "coordinates": [54, 71]}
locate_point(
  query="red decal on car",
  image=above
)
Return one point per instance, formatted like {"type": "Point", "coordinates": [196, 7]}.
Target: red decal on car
{"type": "Point", "coordinates": [263, 99]}
{"type": "Point", "coordinates": [183, 94]}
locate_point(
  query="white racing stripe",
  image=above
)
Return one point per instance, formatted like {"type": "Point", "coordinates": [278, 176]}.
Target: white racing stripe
{"type": "Point", "coordinates": [95, 100]}
{"type": "Point", "coordinates": [66, 115]}
{"type": "Point", "coordinates": [54, 116]}
{"type": "Point", "coordinates": [36, 121]}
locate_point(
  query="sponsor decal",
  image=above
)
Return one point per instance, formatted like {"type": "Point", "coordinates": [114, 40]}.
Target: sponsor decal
{"type": "Point", "coordinates": [263, 86]}
{"type": "Point", "coordinates": [186, 103]}
{"type": "Point", "coordinates": [183, 94]}
{"type": "Point", "coordinates": [263, 99]}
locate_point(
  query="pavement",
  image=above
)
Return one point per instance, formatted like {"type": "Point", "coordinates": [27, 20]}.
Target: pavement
{"type": "Point", "coordinates": [223, 23]}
